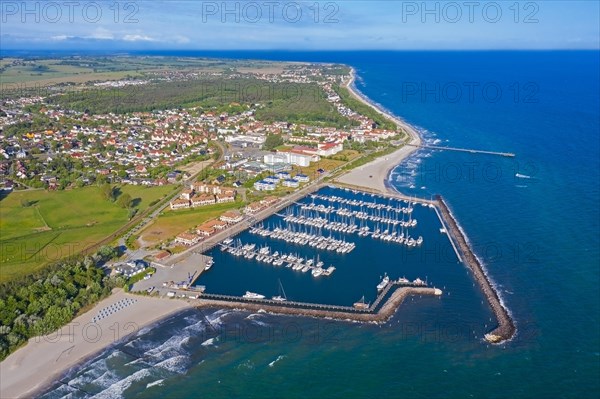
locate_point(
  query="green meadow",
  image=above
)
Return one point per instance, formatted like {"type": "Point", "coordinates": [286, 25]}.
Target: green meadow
{"type": "Point", "coordinates": [59, 224]}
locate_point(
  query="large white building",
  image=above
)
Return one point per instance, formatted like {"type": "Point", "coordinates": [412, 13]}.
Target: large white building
{"type": "Point", "coordinates": [329, 149]}
{"type": "Point", "coordinates": [293, 158]}
{"type": "Point", "coordinates": [264, 186]}
{"type": "Point", "coordinates": [257, 139]}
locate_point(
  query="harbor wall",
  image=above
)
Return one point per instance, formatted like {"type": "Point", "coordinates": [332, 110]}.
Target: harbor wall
{"type": "Point", "coordinates": [385, 312]}
{"type": "Point", "coordinates": [506, 327]}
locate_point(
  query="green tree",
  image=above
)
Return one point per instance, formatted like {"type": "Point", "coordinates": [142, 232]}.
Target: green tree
{"type": "Point", "coordinates": [124, 201]}
{"type": "Point", "coordinates": [272, 141]}
{"type": "Point", "coordinates": [108, 191]}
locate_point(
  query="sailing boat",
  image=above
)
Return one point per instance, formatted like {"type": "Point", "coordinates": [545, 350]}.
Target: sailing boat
{"type": "Point", "coordinates": [281, 291]}
{"type": "Point", "coordinates": [361, 304]}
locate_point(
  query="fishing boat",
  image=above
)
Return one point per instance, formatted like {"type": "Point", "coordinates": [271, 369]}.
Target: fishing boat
{"type": "Point", "coordinates": [384, 282]}
{"type": "Point", "coordinates": [418, 281]}
{"type": "Point", "coordinates": [361, 304]}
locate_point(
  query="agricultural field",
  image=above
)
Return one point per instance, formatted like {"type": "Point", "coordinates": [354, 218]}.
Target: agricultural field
{"type": "Point", "coordinates": [39, 227]}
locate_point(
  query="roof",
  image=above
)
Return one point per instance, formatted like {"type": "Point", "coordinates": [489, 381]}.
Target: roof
{"type": "Point", "coordinates": [187, 236]}
{"type": "Point", "coordinates": [231, 214]}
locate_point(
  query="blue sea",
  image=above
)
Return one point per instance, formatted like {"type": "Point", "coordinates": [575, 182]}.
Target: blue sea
{"type": "Point", "coordinates": [533, 220]}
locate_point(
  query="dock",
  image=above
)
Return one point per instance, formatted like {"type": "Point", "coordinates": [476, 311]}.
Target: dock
{"type": "Point", "coordinates": [433, 147]}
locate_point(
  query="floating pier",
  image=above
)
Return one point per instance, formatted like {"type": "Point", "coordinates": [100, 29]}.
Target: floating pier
{"type": "Point", "coordinates": [506, 328]}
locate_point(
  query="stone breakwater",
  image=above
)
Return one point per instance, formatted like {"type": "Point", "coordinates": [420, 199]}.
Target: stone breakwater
{"type": "Point", "coordinates": [506, 327]}
{"type": "Point", "coordinates": [385, 312]}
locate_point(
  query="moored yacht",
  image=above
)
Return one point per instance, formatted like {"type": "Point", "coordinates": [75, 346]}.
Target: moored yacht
{"type": "Point", "coordinates": [384, 282]}
{"type": "Point", "coordinates": [253, 295]}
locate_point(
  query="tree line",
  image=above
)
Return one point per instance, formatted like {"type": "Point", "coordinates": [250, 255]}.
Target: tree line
{"type": "Point", "coordinates": [42, 302]}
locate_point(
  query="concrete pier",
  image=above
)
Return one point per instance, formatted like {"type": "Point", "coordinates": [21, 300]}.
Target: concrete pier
{"type": "Point", "coordinates": [315, 310]}
{"type": "Point", "coordinates": [506, 328]}
{"type": "Point", "coordinates": [433, 147]}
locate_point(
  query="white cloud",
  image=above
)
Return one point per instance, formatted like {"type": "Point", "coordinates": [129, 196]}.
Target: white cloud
{"type": "Point", "coordinates": [138, 38]}
{"type": "Point", "coordinates": [101, 34]}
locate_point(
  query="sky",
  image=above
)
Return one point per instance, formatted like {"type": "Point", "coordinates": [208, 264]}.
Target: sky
{"type": "Point", "coordinates": [296, 25]}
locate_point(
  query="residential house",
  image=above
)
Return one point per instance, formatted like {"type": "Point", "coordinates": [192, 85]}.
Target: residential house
{"type": "Point", "coordinates": [231, 217]}
{"type": "Point", "coordinates": [202, 199]}
{"type": "Point", "coordinates": [180, 203]}
{"type": "Point", "coordinates": [187, 239]}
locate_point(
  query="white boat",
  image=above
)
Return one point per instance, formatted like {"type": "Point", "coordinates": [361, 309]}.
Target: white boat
{"type": "Point", "coordinates": [279, 297]}
{"type": "Point", "coordinates": [253, 295]}
{"type": "Point", "coordinates": [227, 241]}
{"type": "Point", "coordinates": [209, 264]}
{"type": "Point", "coordinates": [384, 283]}
{"type": "Point", "coordinates": [316, 272]}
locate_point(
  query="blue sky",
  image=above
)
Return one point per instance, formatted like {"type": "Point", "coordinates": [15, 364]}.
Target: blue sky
{"type": "Point", "coordinates": [340, 25]}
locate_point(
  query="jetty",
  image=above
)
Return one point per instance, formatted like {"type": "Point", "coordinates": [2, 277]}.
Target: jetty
{"type": "Point", "coordinates": [506, 328]}
{"type": "Point", "coordinates": [434, 147]}
{"type": "Point", "coordinates": [321, 310]}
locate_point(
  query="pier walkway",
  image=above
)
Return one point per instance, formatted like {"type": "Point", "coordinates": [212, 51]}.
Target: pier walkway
{"type": "Point", "coordinates": [433, 147]}
{"type": "Point", "coordinates": [303, 305]}
{"type": "Point", "coordinates": [317, 306]}
{"type": "Point", "coordinates": [317, 310]}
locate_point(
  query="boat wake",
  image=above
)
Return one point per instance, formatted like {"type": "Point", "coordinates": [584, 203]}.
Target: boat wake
{"type": "Point", "coordinates": [520, 176]}
{"type": "Point", "coordinates": [276, 360]}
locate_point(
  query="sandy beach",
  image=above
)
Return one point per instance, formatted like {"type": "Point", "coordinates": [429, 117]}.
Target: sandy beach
{"type": "Point", "coordinates": [44, 359]}
{"type": "Point", "coordinates": [374, 174]}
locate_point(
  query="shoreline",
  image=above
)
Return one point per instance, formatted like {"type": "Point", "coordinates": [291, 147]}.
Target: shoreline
{"type": "Point", "coordinates": [33, 368]}
{"type": "Point", "coordinates": [376, 173]}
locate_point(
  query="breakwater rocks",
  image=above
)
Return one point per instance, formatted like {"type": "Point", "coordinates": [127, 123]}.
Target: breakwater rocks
{"type": "Point", "coordinates": [385, 312]}
{"type": "Point", "coordinates": [506, 327]}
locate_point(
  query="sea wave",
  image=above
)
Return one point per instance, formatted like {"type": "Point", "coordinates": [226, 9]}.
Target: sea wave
{"type": "Point", "coordinates": [176, 364]}
{"type": "Point", "coordinates": [208, 342]}
{"type": "Point", "coordinates": [116, 389]}
{"type": "Point", "coordinates": [154, 383]}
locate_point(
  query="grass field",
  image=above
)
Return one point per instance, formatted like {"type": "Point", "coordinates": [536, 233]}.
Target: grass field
{"type": "Point", "coordinates": [59, 224]}
{"type": "Point", "coordinates": [172, 222]}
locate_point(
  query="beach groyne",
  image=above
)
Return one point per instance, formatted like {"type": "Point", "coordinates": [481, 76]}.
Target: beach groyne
{"type": "Point", "coordinates": [506, 327]}
{"type": "Point", "coordinates": [383, 314]}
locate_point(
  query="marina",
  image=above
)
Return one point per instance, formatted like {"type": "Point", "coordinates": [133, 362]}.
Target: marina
{"type": "Point", "coordinates": [320, 248]}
